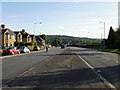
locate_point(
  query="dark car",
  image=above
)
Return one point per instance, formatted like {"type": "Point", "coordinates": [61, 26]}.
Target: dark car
{"type": "Point", "coordinates": [11, 50]}
{"type": "Point", "coordinates": [63, 46]}
{"type": "Point", "coordinates": [1, 51]}
{"type": "Point", "coordinates": [36, 48]}
{"type": "Point", "coordinates": [24, 49]}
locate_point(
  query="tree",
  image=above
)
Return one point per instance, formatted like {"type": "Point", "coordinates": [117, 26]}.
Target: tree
{"type": "Point", "coordinates": [43, 36]}
{"type": "Point", "coordinates": [46, 38]}
{"type": "Point", "coordinates": [58, 41]}
{"type": "Point", "coordinates": [118, 38]}
{"type": "Point", "coordinates": [111, 39]}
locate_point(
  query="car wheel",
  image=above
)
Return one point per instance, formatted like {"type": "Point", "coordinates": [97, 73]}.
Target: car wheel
{"type": "Point", "coordinates": [18, 52]}
{"type": "Point", "coordinates": [13, 53]}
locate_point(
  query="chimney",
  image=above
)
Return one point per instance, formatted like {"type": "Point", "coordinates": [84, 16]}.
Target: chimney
{"type": "Point", "coordinates": [23, 30]}
{"type": "Point", "coordinates": [3, 26]}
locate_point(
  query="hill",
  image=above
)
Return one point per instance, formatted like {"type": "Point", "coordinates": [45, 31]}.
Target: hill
{"type": "Point", "coordinates": [74, 40]}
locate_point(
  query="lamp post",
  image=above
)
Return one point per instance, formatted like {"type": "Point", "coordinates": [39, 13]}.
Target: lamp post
{"type": "Point", "coordinates": [104, 28]}
{"type": "Point", "coordinates": [34, 26]}
{"type": "Point", "coordinates": [104, 35]}
{"type": "Point", "coordinates": [90, 39]}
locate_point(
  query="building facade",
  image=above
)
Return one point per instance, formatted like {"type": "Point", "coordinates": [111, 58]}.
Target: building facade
{"type": "Point", "coordinates": [7, 36]}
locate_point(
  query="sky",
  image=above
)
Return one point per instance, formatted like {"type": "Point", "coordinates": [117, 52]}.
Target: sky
{"type": "Point", "coordinates": [80, 19]}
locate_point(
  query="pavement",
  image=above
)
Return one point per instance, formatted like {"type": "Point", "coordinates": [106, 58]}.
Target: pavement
{"type": "Point", "coordinates": [61, 69]}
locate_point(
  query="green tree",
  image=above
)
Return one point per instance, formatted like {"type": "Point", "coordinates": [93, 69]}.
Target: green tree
{"type": "Point", "coordinates": [43, 36]}
{"type": "Point", "coordinates": [46, 38]}
{"type": "Point", "coordinates": [58, 41]}
{"type": "Point", "coordinates": [118, 38]}
{"type": "Point", "coordinates": [111, 39]}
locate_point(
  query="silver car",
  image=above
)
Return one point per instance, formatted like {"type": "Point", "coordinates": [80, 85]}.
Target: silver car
{"type": "Point", "coordinates": [24, 49]}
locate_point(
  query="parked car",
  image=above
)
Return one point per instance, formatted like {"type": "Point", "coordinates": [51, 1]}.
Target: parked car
{"type": "Point", "coordinates": [11, 50]}
{"type": "Point", "coordinates": [1, 51]}
{"type": "Point", "coordinates": [63, 46]}
{"type": "Point", "coordinates": [24, 49]}
{"type": "Point", "coordinates": [36, 48]}
{"type": "Point", "coordinates": [49, 46]}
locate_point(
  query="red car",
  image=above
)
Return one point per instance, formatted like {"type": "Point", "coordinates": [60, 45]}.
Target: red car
{"type": "Point", "coordinates": [11, 50]}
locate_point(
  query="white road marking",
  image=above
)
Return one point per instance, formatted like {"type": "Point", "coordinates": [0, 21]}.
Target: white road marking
{"type": "Point", "coordinates": [108, 84]}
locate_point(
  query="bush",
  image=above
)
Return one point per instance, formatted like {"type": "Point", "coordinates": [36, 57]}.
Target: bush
{"type": "Point", "coordinates": [30, 43]}
{"type": "Point", "coordinates": [106, 50]}
{"type": "Point", "coordinates": [116, 51]}
{"type": "Point", "coordinates": [30, 47]}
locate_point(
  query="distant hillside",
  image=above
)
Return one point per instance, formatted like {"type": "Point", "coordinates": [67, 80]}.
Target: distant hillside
{"type": "Point", "coordinates": [74, 40]}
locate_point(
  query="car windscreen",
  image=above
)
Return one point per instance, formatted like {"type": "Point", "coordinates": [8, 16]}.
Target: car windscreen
{"type": "Point", "coordinates": [21, 47]}
{"type": "Point", "coordinates": [9, 48]}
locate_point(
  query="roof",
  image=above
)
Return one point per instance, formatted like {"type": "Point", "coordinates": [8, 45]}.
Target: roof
{"type": "Point", "coordinates": [32, 35]}
{"type": "Point", "coordinates": [39, 38]}
{"type": "Point", "coordinates": [25, 34]}
{"type": "Point", "coordinates": [16, 32]}
{"type": "Point", "coordinates": [10, 31]}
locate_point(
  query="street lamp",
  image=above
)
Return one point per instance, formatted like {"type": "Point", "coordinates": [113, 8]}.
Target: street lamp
{"type": "Point", "coordinates": [104, 28]}
{"type": "Point", "coordinates": [104, 35]}
{"type": "Point", "coordinates": [34, 26]}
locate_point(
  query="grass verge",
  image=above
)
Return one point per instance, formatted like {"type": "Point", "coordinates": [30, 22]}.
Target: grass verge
{"type": "Point", "coordinates": [110, 50]}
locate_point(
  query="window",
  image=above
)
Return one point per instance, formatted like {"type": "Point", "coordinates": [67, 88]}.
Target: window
{"type": "Point", "coordinates": [7, 36]}
{"type": "Point", "coordinates": [12, 37]}
{"type": "Point", "coordinates": [19, 37]}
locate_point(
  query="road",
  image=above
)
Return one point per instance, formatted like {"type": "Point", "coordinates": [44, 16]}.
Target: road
{"type": "Point", "coordinates": [107, 64]}
{"type": "Point", "coordinates": [61, 68]}
{"type": "Point", "coordinates": [15, 65]}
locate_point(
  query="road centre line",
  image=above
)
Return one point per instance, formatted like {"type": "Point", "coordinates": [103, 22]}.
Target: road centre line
{"type": "Point", "coordinates": [108, 84]}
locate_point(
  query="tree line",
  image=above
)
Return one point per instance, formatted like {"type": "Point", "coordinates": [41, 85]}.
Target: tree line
{"type": "Point", "coordinates": [113, 40]}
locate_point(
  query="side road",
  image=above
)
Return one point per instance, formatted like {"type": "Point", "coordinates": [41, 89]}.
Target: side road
{"type": "Point", "coordinates": [65, 70]}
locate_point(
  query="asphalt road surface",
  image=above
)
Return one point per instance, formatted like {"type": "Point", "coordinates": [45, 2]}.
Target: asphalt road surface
{"type": "Point", "coordinates": [107, 64]}
{"type": "Point", "coordinates": [15, 65]}
{"type": "Point", "coordinates": [61, 68]}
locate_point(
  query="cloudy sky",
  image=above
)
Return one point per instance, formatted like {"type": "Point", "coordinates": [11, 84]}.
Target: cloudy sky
{"type": "Point", "coordinates": [81, 19]}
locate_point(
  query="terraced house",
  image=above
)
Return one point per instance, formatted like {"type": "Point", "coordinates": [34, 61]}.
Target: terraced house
{"type": "Point", "coordinates": [18, 36]}
{"type": "Point", "coordinates": [23, 36]}
{"type": "Point", "coordinates": [8, 36]}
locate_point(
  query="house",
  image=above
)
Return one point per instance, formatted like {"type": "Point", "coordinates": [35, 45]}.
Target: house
{"type": "Point", "coordinates": [7, 36]}
{"type": "Point", "coordinates": [0, 36]}
{"type": "Point", "coordinates": [40, 41]}
{"type": "Point", "coordinates": [33, 39]}
{"type": "Point", "coordinates": [23, 36]}
{"type": "Point", "coordinates": [18, 36]}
